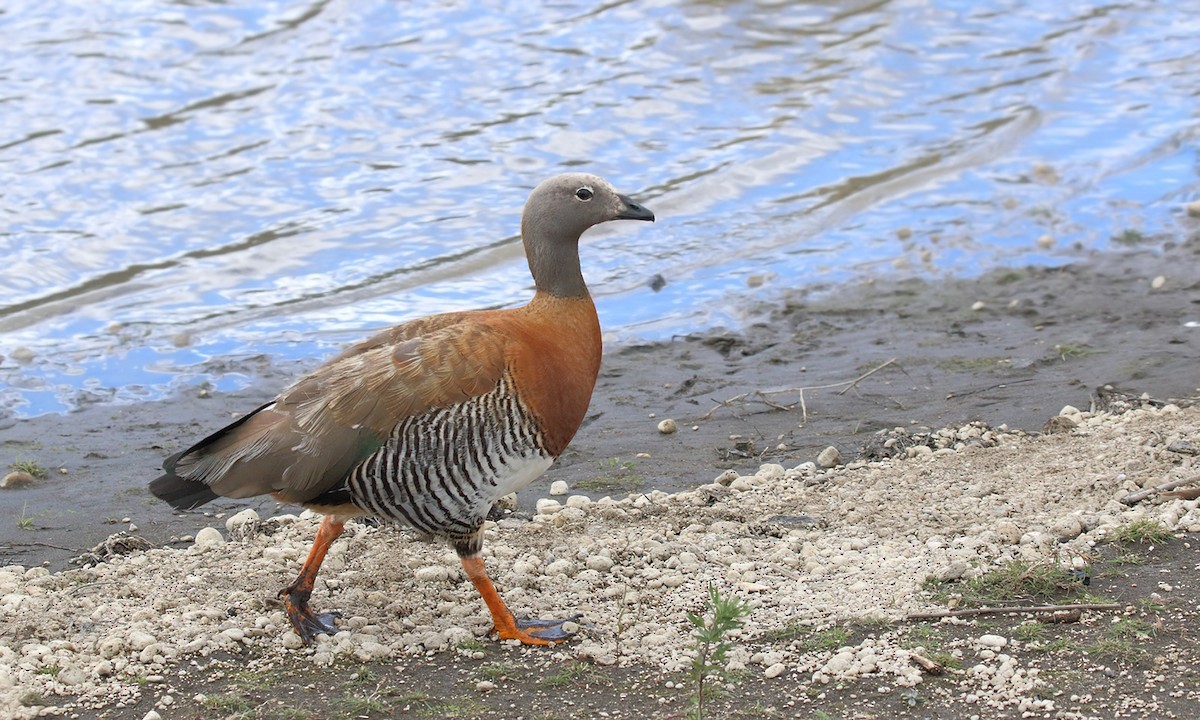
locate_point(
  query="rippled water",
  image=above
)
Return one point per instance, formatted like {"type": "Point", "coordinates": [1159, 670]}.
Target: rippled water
{"type": "Point", "coordinates": [189, 182]}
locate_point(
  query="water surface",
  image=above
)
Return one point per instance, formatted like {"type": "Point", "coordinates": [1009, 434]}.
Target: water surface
{"type": "Point", "coordinates": [191, 184]}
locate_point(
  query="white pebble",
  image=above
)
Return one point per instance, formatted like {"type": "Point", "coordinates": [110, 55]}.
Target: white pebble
{"type": "Point", "coordinates": [1158, 282]}
{"type": "Point", "coordinates": [560, 567]}
{"type": "Point", "coordinates": [992, 641]}
{"type": "Point", "coordinates": [241, 518]}
{"type": "Point", "coordinates": [152, 715]}
{"type": "Point", "coordinates": [139, 640]}
{"type": "Point", "coordinates": [829, 457]}
{"type": "Point", "coordinates": [668, 426]}
{"type": "Point", "coordinates": [209, 537]}
{"type": "Point", "coordinates": [559, 487]}
{"type": "Point", "coordinates": [431, 573]}
{"type": "Point", "coordinates": [485, 686]}
{"type": "Point", "coordinates": [599, 563]}
{"type": "Point", "coordinates": [546, 506]}
{"type": "Point", "coordinates": [775, 670]}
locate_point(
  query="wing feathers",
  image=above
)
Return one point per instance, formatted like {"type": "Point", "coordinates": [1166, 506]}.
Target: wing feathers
{"type": "Point", "coordinates": [318, 429]}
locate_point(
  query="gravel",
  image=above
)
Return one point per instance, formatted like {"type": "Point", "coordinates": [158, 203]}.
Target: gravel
{"type": "Point", "coordinates": [634, 566]}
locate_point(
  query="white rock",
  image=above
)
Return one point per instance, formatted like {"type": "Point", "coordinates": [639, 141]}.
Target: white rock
{"type": "Point", "coordinates": [770, 472]}
{"type": "Point", "coordinates": [72, 676]}
{"type": "Point", "coordinates": [599, 563]}
{"type": "Point", "coordinates": [546, 506]}
{"type": "Point", "coordinates": [775, 670]}
{"type": "Point", "coordinates": [152, 715]}
{"type": "Point", "coordinates": [1158, 282]}
{"type": "Point", "coordinates": [559, 487]}
{"type": "Point", "coordinates": [560, 567]}
{"type": "Point", "coordinates": [139, 640]}
{"type": "Point", "coordinates": [829, 457]}
{"type": "Point", "coordinates": [485, 686]}
{"type": "Point", "coordinates": [209, 537]}
{"type": "Point", "coordinates": [239, 519]}
{"type": "Point", "coordinates": [579, 501]}
{"type": "Point", "coordinates": [992, 641]}
{"type": "Point", "coordinates": [1067, 528]}
{"type": "Point", "coordinates": [431, 573]}
{"type": "Point", "coordinates": [668, 426]}
{"type": "Point", "coordinates": [1008, 532]}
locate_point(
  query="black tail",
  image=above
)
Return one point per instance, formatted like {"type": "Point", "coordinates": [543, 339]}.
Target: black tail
{"type": "Point", "coordinates": [185, 494]}
{"type": "Point", "coordinates": [181, 493]}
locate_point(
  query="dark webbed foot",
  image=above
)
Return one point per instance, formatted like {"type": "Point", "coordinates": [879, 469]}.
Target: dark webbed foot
{"type": "Point", "coordinates": [547, 631]}
{"type": "Point", "coordinates": [306, 623]}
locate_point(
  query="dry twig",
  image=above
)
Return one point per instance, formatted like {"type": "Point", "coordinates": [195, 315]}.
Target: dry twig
{"type": "Point", "coordinates": [1140, 495]}
{"type": "Point", "coordinates": [765, 395]}
{"type": "Point", "coordinates": [930, 666]}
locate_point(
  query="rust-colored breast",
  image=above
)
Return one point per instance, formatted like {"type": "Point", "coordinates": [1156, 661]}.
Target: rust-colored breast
{"type": "Point", "coordinates": [553, 360]}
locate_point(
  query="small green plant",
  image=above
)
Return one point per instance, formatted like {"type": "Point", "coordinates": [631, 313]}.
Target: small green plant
{"type": "Point", "coordinates": [1130, 628]}
{"type": "Point", "coordinates": [227, 704]}
{"type": "Point", "coordinates": [29, 466]}
{"type": "Point", "coordinates": [574, 672]}
{"type": "Point", "coordinates": [616, 463]}
{"type": "Point", "coordinates": [1015, 580]}
{"type": "Point", "coordinates": [252, 680]}
{"type": "Point", "coordinates": [364, 675]}
{"type": "Point", "coordinates": [1030, 632]}
{"type": "Point", "coordinates": [912, 697]}
{"type": "Point", "coordinates": [711, 647]}
{"type": "Point", "coordinates": [363, 705]}
{"type": "Point", "coordinates": [1142, 532]}
{"type": "Point", "coordinates": [1066, 351]}
{"type": "Point", "coordinates": [472, 645]}
{"type": "Point", "coordinates": [792, 631]}
{"type": "Point", "coordinates": [25, 520]}
{"type": "Point", "coordinates": [827, 639]}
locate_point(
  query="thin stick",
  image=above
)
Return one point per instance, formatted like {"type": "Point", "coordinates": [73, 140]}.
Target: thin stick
{"type": "Point", "coordinates": [1141, 495]}
{"type": "Point", "coordinates": [1013, 609]}
{"type": "Point", "coordinates": [764, 395]}
{"type": "Point", "coordinates": [952, 395]}
{"type": "Point", "coordinates": [864, 376]}
{"type": "Point", "coordinates": [930, 666]}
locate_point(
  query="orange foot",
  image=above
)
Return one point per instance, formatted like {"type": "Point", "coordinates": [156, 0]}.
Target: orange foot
{"type": "Point", "coordinates": [306, 623]}
{"type": "Point", "coordinates": [533, 631]}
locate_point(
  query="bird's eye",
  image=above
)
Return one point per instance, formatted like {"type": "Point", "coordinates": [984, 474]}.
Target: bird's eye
{"type": "Point", "coordinates": [584, 193]}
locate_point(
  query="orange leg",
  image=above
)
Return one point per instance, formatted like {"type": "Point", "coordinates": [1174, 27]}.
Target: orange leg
{"type": "Point", "coordinates": [295, 596]}
{"type": "Point", "coordinates": [528, 631]}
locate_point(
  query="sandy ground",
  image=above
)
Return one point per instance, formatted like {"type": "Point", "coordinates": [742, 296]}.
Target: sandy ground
{"type": "Point", "coordinates": [805, 547]}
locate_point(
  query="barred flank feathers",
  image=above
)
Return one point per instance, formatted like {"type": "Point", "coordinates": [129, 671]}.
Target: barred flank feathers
{"type": "Point", "coordinates": [441, 472]}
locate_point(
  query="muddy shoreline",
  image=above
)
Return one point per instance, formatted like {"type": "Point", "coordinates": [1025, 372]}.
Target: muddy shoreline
{"type": "Point", "coordinates": [1011, 347]}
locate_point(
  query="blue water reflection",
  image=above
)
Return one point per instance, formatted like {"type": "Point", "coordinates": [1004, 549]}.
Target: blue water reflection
{"type": "Point", "coordinates": [189, 183]}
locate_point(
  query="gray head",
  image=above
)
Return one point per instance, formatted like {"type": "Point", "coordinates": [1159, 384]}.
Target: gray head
{"type": "Point", "coordinates": [558, 211]}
